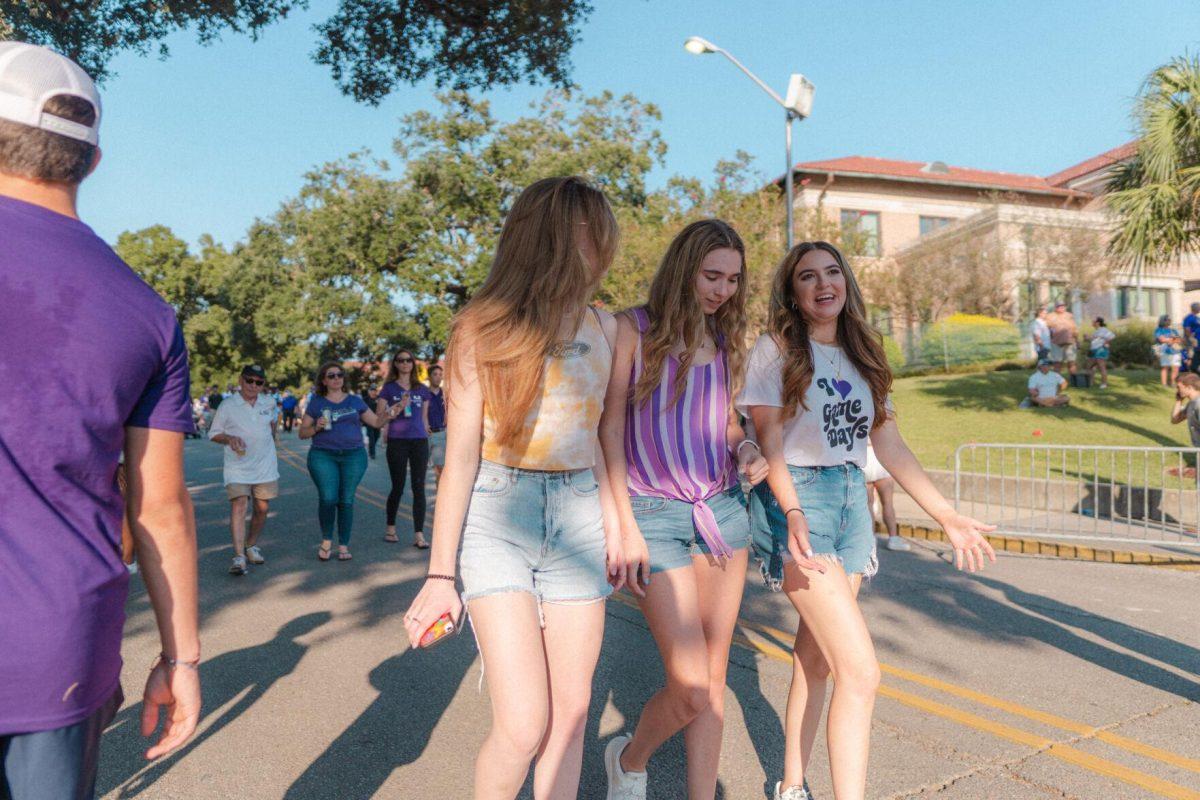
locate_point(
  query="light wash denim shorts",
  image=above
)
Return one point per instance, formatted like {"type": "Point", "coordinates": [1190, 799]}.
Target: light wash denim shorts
{"type": "Point", "coordinates": [670, 532]}
{"type": "Point", "coordinates": [840, 527]}
{"type": "Point", "coordinates": [536, 532]}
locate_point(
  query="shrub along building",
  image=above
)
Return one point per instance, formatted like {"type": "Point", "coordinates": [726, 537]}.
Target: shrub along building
{"type": "Point", "coordinates": [939, 239]}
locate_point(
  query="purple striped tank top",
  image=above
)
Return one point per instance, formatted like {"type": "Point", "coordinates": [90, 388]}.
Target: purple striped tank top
{"type": "Point", "coordinates": [679, 451]}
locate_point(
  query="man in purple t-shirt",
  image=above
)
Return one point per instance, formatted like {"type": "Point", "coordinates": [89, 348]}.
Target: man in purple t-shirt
{"type": "Point", "coordinates": [113, 377]}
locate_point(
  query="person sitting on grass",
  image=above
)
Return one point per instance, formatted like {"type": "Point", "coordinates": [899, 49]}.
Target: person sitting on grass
{"type": "Point", "coordinates": [1045, 387]}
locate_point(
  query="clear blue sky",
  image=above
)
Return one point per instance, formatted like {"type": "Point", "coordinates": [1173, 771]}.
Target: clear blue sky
{"type": "Point", "coordinates": [216, 136]}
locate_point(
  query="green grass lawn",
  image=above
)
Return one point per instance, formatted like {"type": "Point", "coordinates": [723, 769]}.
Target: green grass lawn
{"type": "Point", "coordinates": [937, 413]}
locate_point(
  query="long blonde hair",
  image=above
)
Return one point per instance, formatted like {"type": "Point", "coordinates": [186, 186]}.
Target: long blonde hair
{"type": "Point", "coordinates": [862, 344]}
{"type": "Point", "coordinates": [675, 313]}
{"type": "Point", "coordinates": [539, 281]}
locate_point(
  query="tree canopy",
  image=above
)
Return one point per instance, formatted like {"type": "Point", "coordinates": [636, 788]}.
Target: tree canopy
{"type": "Point", "coordinates": [1156, 194]}
{"type": "Point", "coordinates": [370, 46]}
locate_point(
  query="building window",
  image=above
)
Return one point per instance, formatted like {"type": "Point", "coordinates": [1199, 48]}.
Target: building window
{"type": "Point", "coordinates": [930, 224]}
{"type": "Point", "coordinates": [866, 225]}
{"type": "Point", "coordinates": [1154, 302]}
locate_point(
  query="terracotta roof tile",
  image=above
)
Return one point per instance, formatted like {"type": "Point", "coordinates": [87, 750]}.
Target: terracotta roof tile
{"type": "Point", "coordinates": [1114, 156]}
{"type": "Point", "coordinates": [920, 170]}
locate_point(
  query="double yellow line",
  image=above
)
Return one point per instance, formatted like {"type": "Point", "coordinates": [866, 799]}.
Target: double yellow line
{"type": "Point", "coordinates": [777, 645]}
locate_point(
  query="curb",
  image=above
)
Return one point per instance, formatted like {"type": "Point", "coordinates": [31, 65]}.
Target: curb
{"type": "Point", "coordinates": [1070, 552]}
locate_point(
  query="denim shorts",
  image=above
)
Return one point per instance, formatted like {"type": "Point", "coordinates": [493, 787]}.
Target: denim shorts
{"type": "Point", "coordinates": [834, 501]}
{"type": "Point", "coordinates": [536, 532]}
{"type": "Point", "coordinates": [671, 535]}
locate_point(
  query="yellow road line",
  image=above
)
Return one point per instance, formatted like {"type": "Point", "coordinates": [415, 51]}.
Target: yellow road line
{"type": "Point", "coordinates": [1063, 752]}
{"type": "Point", "coordinates": [1053, 720]}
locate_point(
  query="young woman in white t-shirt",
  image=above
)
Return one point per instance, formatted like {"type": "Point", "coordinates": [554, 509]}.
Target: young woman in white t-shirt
{"type": "Point", "coordinates": [816, 388]}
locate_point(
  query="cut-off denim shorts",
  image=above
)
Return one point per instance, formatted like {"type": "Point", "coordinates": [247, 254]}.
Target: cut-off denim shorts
{"type": "Point", "coordinates": [840, 527]}
{"type": "Point", "coordinates": [670, 532]}
{"type": "Point", "coordinates": [535, 532]}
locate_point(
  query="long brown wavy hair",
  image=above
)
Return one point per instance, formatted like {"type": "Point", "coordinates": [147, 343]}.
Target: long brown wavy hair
{"type": "Point", "coordinates": [861, 343]}
{"type": "Point", "coordinates": [328, 365]}
{"type": "Point", "coordinates": [539, 282]}
{"type": "Point", "coordinates": [675, 312]}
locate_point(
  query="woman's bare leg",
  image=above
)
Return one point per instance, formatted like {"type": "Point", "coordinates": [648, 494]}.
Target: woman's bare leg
{"type": "Point", "coordinates": [672, 609]}
{"type": "Point", "coordinates": [510, 641]}
{"type": "Point", "coordinates": [887, 503]}
{"type": "Point", "coordinates": [572, 638]}
{"type": "Point", "coordinates": [720, 593]}
{"type": "Point", "coordinates": [832, 622]}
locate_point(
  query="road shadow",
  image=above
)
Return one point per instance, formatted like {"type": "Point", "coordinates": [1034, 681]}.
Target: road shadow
{"type": "Point", "coordinates": [956, 601]}
{"type": "Point", "coordinates": [234, 682]}
{"type": "Point", "coordinates": [415, 689]}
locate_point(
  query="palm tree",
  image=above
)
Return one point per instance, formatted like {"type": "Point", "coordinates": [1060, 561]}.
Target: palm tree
{"type": "Point", "coordinates": [1156, 194]}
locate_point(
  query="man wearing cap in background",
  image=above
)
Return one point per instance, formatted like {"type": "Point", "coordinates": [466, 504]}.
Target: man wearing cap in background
{"type": "Point", "coordinates": [1045, 387]}
{"type": "Point", "coordinates": [1064, 335]}
{"type": "Point", "coordinates": [245, 425]}
{"type": "Point", "coordinates": [118, 382]}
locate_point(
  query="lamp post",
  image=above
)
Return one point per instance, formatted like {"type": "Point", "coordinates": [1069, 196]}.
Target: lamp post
{"type": "Point", "coordinates": [796, 105]}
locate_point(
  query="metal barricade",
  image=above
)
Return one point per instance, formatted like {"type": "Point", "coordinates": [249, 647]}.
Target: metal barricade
{"type": "Point", "coordinates": [1108, 494]}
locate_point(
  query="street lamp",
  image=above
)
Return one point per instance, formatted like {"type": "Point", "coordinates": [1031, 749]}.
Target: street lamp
{"type": "Point", "coordinates": [796, 105]}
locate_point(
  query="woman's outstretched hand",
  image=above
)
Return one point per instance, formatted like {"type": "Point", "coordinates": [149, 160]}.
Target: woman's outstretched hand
{"type": "Point", "coordinates": [966, 536]}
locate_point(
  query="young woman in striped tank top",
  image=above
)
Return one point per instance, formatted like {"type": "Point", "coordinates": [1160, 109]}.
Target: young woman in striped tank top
{"type": "Point", "coordinates": [525, 489]}
{"type": "Point", "coordinates": [669, 414]}
{"type": "Point", "coordinates": [817, 386]}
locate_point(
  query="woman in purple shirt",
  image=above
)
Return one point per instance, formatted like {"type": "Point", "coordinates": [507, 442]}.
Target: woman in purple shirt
{"type": "Point", "coordinates": [337, 459]}
{"type": "Point", "coordinates": [407, 442]}
{"type": "Point", "coordinates": [669, 413]}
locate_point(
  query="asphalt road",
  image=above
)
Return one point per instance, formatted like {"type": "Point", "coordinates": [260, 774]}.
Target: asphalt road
{"type": "Point", "coordinates": [1037, 679]}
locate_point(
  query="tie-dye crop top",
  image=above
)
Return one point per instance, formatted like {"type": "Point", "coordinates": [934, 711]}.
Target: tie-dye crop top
{"type": "Point", "coordinates": [560, 428]}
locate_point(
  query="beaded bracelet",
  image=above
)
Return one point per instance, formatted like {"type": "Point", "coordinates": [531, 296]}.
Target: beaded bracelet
{"type": "Point", "coordinates": [450, 578]}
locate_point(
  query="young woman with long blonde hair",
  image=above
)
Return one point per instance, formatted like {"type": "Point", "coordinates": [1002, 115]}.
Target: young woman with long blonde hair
{"type": "Point", "coordinates": [525, 487]}
{"type": "Point", "coordinates": [817, 386]}
{"type": "Point", "coordinates": [669, 416]}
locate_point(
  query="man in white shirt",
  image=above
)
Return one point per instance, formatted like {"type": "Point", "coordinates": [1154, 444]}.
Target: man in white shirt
{"type": "Point", "coordinates": [245, 425]}
{"type": "Point", "coordinates": [1045, 387]}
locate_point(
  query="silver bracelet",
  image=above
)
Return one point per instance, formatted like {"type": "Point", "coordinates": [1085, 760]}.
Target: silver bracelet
{"type": "Point", "coordinates": [175, 662]}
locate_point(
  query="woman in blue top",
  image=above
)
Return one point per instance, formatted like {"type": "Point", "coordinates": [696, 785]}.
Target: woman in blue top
{"type": "Point", "coordinates": [1168, 344]}
{"type": "Point", "coordinates": [407, 442]}
{"type": "Point", "coordinates": [337, 459]}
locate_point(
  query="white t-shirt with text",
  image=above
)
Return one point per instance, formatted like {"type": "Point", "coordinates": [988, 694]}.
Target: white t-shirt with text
{"type": "Point", "coordinates": [252, 424]}
{"type": "Point", "coordinates": [1047, 384]}
{"type": "Point", "coordinates": [834, 429]}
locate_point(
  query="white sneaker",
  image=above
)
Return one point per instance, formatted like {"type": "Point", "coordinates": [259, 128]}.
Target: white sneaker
{"type": "Point", "coordinates": [254, 555]}
{"type": "Point", "coordinates": [793, 792]}
{"type": "Point", "coordinates": [622, 785]}
{"type": "Point", "coordinates": [238, 567]}
{"type": "Point", "coordinates": [893, 543]}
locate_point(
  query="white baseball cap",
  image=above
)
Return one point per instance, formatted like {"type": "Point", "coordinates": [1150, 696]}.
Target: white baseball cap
{"type": "Point", "coordinates": [30, 75]}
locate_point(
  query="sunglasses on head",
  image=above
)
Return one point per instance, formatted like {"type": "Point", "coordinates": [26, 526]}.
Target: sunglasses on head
{"type": "Point", "coordinates": [335, 374]}
{"type": "Point", "coordinates": [254, 381]}
{"type": "Point", "coordinates": [403, 360]}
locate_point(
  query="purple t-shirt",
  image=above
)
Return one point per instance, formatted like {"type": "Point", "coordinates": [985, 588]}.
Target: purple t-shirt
{"type": "Point", "coordinates": [346, 431]}
{"type": "Point", "coordinates": [96, 350]}
{"type": "Point", "coordinates": [412, 426]}
{"type": "Point", "coordinates": [437, 410]}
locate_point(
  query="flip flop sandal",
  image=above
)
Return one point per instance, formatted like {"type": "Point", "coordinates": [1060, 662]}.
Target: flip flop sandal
{"type": "Point", "coordinates": [421, 545]}
{"type": "Point", "coordinates": [344, 555]}
{"type": "Point", "coordinates": [323, 553]}
{"type": "Point", "coordinates": [391, 538]}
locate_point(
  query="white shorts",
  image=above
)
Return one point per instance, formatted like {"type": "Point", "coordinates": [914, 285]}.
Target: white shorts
{"type": "Point", "coordinates": [874, 471]}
